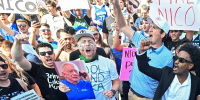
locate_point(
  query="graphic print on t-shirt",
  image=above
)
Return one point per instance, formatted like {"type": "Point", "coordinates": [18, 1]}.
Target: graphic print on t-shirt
{"type": "Point", "coordinates": [6, 97]}
{"type": "Point", "coordinates": [53, 80]}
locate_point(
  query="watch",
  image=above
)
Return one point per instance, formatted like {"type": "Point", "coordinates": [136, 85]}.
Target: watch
{"type": "Point", "coordinates": [114, 92]}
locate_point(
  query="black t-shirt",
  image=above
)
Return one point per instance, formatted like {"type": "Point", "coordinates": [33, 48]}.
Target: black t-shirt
{"type": "Point", "coordinates": [30, 79]}
{"type": "Point", "coordinates": [48, 81]}
{"type": "Point", "coordinates": [170, 45]}
{"type": "Point", "coordinates": [12, 90]}
{"type": "Point", "coordinates": [72, 19]}
{"type": "Point", "coordinates": [109, 28]}
{"type": "Point", "coordinates": [75, 54]}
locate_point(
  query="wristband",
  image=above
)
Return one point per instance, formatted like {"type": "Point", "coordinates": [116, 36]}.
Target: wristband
{"type": "Point", "coordinates": [114, 92]}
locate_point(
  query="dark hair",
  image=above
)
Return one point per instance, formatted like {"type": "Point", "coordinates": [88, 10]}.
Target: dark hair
{"type": "Point", "coordinates": [102, 44]}
{"type": "Point", "coordinates": [144, 19]}
{"type": "Point", "coordinates": [58, 8]}
{"type": "Point", "coordinates": [2, 38]}
{"type": "Point", "coordinates": [194, 53]}
{"type": "Point", "coordinates": [138, 2]}
{"type": "Point", "coordinates": [51, 3]}
{"type": "Point", "coordinates": [162, 32]}
{"type": "Point", "coordinates": [45, 24]}
{"type": "Point", "coordinates": [181, 42]}
{"type": "Point", "coordinates": [6, 13]}
{"type": "Point", "coordinates": [61, 30]}
{"type": "Point", "coordinates": [43, 45]}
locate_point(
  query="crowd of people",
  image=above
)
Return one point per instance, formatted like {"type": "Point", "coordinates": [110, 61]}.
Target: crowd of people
{"type": "Point", "coordinates": [166, 65]}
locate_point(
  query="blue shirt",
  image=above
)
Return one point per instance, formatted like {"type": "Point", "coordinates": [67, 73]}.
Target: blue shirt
{"type": "Point", "coordinates": [83, 90]}
{"type": "Point", "coordinates": [161, 57]}
{"type": "Point", "coordinates": [54, 44]}
{"type": "Point", "coordinates": [8, 36]}
{"type": "Point", "coordinates": [137, 22]}
{"type": "Point", "coordinates": [101, 14]}
{"type": "Point", "coordinates": [118, 59]}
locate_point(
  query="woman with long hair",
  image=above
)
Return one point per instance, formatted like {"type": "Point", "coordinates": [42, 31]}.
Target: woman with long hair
{"type": "Point", "coordinates": [14, 72]}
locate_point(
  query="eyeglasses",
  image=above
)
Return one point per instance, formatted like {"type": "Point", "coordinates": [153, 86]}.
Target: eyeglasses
{"type": "Point", "coordinates": [4, 66]}
{"type": "Point", "coordinates": [182, 60]}
{"type": "Point", "coordinates": [130, 3]}
{"type": "Point", "coordinates": [44, 53]}
{"type": "Point", "coordinates": [23, 25]}
{"type": "Point", "coordinates": [43, 30]}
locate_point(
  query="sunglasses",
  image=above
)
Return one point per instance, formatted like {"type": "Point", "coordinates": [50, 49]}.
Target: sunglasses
{"type": "Point", "coordinates": [182, 60]}
{"type": "Point", "coordinates": [43, 30]}
{"type": "Point", "coordinates": [130, 3]}
{"type": "Point", "coordinates": [23, 25]}
{"type": "Point", "coordinates": [4, 66]}
{"type": "Point", "coordinates": [44, 53]}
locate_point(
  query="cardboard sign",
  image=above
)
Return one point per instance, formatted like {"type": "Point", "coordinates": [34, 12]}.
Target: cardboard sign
{"type": "Point", "coordinates": [180, 14]}
{"type": "Point", "coordinates": [29, 95]}
{"type": "Point", "coordinates": [127, 63]}
{"type": "Point", "coordinates": [73, 4]}
{"type": "Point", "coordinates": [18, 6]}
{"type": "Point", "coordinates": [79, 63]}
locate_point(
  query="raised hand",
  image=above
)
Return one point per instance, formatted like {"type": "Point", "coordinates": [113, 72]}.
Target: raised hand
{"type": "Point", "coordinates": [22, 38]}
{"type": "Point", "coordinates": [145, 45]}
{"type": "Point", "coordinates": [61, 44]}
{"type": "Point", "coordinates": [116, 26]}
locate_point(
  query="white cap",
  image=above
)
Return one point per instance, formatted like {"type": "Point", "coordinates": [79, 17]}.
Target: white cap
{"type": "Point", "coordinates": [161, 22]}
{"type": "Point", "coordinates": [83, 33]}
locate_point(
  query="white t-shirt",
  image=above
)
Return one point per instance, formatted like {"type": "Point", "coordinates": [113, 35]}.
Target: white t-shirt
{"type": "Point", "coordinates": [101, 73]}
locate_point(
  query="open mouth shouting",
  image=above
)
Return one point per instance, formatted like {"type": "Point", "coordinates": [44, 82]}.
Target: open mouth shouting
{"type": "Point", "coordinates": [175, 67]}
{"type": "Point", "coordinates": [3, 74]}
{"type": "Point", "coordinates": [88, 51]}
{"type": "Point", "coordinates": [49, 61]}
{"type": "Point", "coordinates": [150, 36]}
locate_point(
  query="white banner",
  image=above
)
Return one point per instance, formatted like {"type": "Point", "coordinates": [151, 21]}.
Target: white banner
{"type": "Point", "coordinates": [29, 95]}
{"type": "Point", "coordinates": [73, 4]}
{"type": "Point", "coordinates": [180, 14]}
{"type": "Point", "coordinates": [18, 6]}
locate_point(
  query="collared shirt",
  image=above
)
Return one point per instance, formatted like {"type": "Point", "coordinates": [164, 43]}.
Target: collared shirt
{"type": "Point", "coordinates": [178, 91]}
{"type": "Point", "coordinates": [83, 90]}
{"type": "Point", "coordinates": [161, 57]}
{"type": "Point", "coordinates": [54, 44]}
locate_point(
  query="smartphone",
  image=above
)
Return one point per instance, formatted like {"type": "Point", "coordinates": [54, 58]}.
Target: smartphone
{"type": "Point", "coordinates": [82, 74]}
{"type": "Point", "coordinates": [34, 18]}
{"type": "Point", "coordinates": [141, 23]}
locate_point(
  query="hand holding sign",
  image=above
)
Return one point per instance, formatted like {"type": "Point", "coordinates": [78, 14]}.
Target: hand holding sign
{"type": "Point", "coordinates": [145, 45]}
{"type": "Point", "coordinates": [64, 88]}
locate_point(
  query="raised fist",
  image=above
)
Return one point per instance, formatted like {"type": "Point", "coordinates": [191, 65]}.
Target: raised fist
{"type": "Point", "coordinates": [145, 45]}
{"type": "Point", "coordinates": [22, 38]}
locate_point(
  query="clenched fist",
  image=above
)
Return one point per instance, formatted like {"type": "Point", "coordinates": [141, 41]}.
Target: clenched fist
{"type": "Point", "coordinates": [22, 38]}
{"type": "Point", "coordinates": [145, 45]}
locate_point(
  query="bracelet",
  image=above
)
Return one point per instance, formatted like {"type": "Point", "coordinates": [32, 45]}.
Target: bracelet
{"type": "Point", "coordinates": [41, 96]}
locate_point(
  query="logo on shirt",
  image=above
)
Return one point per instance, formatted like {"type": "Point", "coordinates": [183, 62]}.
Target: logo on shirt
{"type": "Point", "coordinates": [82, 31]}
{"type": "Point", "coordinates": [84, 90]}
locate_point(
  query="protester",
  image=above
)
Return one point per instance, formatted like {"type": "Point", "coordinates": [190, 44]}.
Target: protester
{"type": "Point", "coordinates": [144, 11]}
{"type": "Point", "coordinates": [44, 74]}
{"type": "Point", "coordinates": [6, 23]}
{"type": "Point", "coordinates": [1, 41]}
{"type": "Point", "coordinates": [99, 13]}
{"type": "Point", "coordinates": [9, 87]}
{"type": "Point", "coordinates": [72, 79]}
{"type": "Point", "coordinates": [64, 45]}
{"type": "Point", "coordinates": [45, 31]}
{"type": "Point", "coordinates": [110, 83]}
{"type": "Point", "coordinates": [79, 20]}
{"type": "Point", "coordinates": [143, 86]}
{"type": "Point", "coordinates": [132, 6]}
{"type": "Point", "coordinates": [145, 27]}
{"type": "Point", "coordinates": [180, 83]}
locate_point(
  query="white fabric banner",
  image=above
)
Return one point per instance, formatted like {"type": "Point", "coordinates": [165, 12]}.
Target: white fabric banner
{"type": "Point", "coordinates": [73, 4]}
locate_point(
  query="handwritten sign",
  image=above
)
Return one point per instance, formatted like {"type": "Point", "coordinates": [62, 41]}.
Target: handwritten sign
{"type": "Point", "coordinates": [127, 63]}
{"type": "Point", "coordinates": [180, 14]}
{"type": "Point", "coordinates": [29, 95]}
{"type": "Point", "coordinates": [73, 4]}
{"type": "Point", "coordinates": [18, 6]}
{"type": "Point", "coordinates": [79, 63]}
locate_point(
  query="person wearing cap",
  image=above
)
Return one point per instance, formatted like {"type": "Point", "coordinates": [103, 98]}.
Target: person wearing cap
{"type": "Point", "coordinates": [9, 87]}
{"type": "Point", "coordinates": [102, 71]}
{"type": "Point", "coordinates": [64, 45]}
{"type": "Point", "coordinates": [79, 20]}
{"type": "Point", "coordinates": [142, 86]}
{"type": "Point", "coordinates": [176, 83]}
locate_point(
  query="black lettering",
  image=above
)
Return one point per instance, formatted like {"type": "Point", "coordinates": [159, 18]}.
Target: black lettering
{"type": "Point", "coordinates": [127, 54]}
{"type": "Point", "coordinates": [93, 78]}
{"type": "Point", "coordinates": [27, 5]}
{"type": "Point", "coordinates": [133, 54]}
{"type": "Point", "coordinates": [93, 87]}
{"type": "Point", "coordinates": [93, 70]}
{"type": "Point", "coordinates": [99, 78]}
{"type": "Point", "coordinates": [100, 86]}
{"type": "Point", "coordinates": [16, 4]}
{"type": "Point", "coordinates": [128, 63]}
{"type": "Point", "coordinates": [9, 8]}
{"type": "Point", "coordinates": [2, 5]}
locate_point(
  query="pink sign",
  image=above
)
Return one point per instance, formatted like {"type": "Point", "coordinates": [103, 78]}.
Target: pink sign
{"type": "Point", "coordinates": [127, 63]}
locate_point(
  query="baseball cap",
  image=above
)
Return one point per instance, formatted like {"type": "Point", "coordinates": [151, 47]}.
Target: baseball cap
{"type": "Point", "coordinates": [93, 29]}
{"type": "Point", "coordinates": [83, 33]}
{"type": "Point", "coordinates": [161, 22]}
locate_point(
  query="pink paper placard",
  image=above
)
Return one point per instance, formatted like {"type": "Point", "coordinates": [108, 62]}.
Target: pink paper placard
{"type": "Point", "coordinates": [127, 63]}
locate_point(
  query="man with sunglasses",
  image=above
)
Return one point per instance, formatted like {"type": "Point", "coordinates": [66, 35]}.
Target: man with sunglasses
{"type": "Point", "coordinates": [45, 32]}
{"type": "Point", "coordinates": [43, 73]}
{"type": "Point", "coordinates": [132, 7]}
{"type": "Point", "coordinates": [175, 83]}
{"type": "Point", "coordinates": [9, 87]}
{"type": "Point", "coordinates": [142, 86]}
